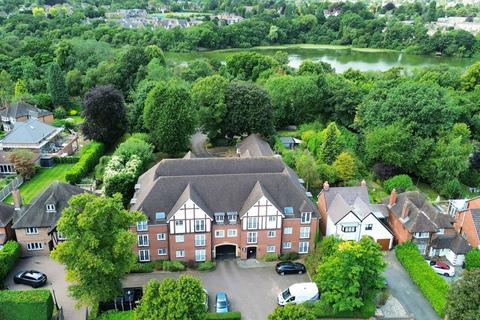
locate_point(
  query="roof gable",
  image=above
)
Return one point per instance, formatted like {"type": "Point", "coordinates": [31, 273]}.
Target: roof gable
{"type": "Point", "coordinates": [254, 146]}
{"type": "Point", "coordinates": [189, 194]}
{"type": "Point", "coordinates": [257, 193]}
{"type": "Point", "coordinates": [476, 220]}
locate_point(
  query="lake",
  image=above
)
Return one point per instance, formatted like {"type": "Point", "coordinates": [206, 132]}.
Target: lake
{"type": "Point", "coordinates": [340, 57]}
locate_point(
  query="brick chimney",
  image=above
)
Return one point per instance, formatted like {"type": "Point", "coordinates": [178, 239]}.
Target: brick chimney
{"type": "Point", "coordinates": [405, 210]}
{"type": "Point", "coordinates": [17, 199]}
{"type": "Point", "coordinates": [326, 186]}
{"type": "Point", "coordinates": [363, 183]}
{"type": "Point", "coordinates": [393, 197]}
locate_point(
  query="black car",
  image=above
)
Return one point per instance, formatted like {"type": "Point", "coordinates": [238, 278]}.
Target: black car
{"type": "Point", "coordinates": [32, 278]}
{"type": "Point", "coordinates": [290, 267]}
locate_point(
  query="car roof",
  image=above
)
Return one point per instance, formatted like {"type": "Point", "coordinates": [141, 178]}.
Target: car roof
{"type": "Point", "coordinates": [442, 264]}
{"type": "Point", "coordinates": [221, 295]}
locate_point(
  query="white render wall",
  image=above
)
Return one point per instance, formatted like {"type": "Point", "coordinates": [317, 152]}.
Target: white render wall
{"type": "Point", "coordinates": [263, 216]}
{"type": "Point", "coordinates": [182, 214]}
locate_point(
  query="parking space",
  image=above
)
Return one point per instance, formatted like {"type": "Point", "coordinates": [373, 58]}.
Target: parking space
{"type": "Point", "coordinates": [56, 280]}
{"type": "Point", "coordinates": [252, 291]}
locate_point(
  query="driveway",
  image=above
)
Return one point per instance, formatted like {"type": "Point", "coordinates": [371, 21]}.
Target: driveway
{"type": "Point", "coordinates": [251, 291]}
{"type": "Point", "coordinates": [402, 288]}
{"type": "Point", "coordinates": [199, 141]}
{"type": "Point", "coordinates": [56, 280]}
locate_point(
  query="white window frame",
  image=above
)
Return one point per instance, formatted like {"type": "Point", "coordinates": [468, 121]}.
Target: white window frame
{"type": "Point", "coordinates": [143, 240]}
{"type": "Point", "coordinates": [349, 229]}
{"type": "Point", "coordinates": [272, 219]}
{"type": "Point", "coordinates": [180, 253]}
{"type": "Point", "coordinates": [142, 225]}
{"type": "Point", "coordinates": [31, 230]}
{"type": "Point", "coordinates": [303, 246]}
{"type": "Point", "coordinates": [306, 217]}
{"type": "Point", "coordinates": [161, 236]}
{"type": "Point", "coordinates": [50, 207]}
{"type": "Point", "coordinates": [179, 238]}
{"type": "Point", "coordinates": [200, 225]}
{"type": "Point", "coordinates": [231, 233]}
{"type": "Point", "coordinates": [232, 217]}
{"type": "Point", "coordinates": [143, 255]}
{"type": "Point", "coordinates": [219, 233]}
{"type": "Point", "coordinates": [252, 237]}
{"type": "Point", "coordinates": [34, 246]}
{"type": "Point", "coordinates": [271, 233]}
{"type": "Point", "coordinates": [61, 236]}
{"type": "Point", "coordinates": [164, 251]}
{"type": "Point", "coordinates": [252, 223]}
{"type": "Point", "coordinates": [421, 235]}
{"type": "Point", "coordinates": [200, 240]}
{"type": "Point", "coordinates": [179, 224]}
{"type": "Point", "coordinates": [288, 230]}
{"type": "Point", "coordinates": [369, 227]}
{"type": "Point", "coordinates": [270, 249]}
{"type": "Point", "coordinates": [304, 232]}
{"type": "Point", "coordinates": [220, 219]}
{"type": "Point", "coordinates": [287, 245]}
{"type": "Point", "coordinates": [422, 247]}
{"type": "Point", "coordinates": [200, 255]}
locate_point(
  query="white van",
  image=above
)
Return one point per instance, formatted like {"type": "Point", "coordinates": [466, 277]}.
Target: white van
{"type": "Point", "coordinates": [298, 293]}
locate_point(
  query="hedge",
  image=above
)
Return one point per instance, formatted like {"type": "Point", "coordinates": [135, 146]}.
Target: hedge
{"type": "Point", "coordinates": [72, 159]}
{"type": "Point", "coordinates": [401, 183]}
{"type": "Point", "coordinates": [117, 315]}
{"type": "Point", "coordinates": [26, 304]}
{"type": "Point", "coordinates": [204, 266]}
{"type": "Point", "coordinates": [89, 157]}
{"type": "Point", "coordinates": [433, 286]}
{"type": "Point", "coordinates": [167, 265]}
{"type": "Point", "coordinates": [324, 311]}
{"type": "Point", "coordinates": [233, 315]}
{"type": "Point", "coordinates": [8, 258]}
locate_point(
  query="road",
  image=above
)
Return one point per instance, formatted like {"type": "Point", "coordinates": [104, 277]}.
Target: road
{"type": "Point", "coordinates": [402, 288]}
{"type": "Point", "coordinates": [198, 145]}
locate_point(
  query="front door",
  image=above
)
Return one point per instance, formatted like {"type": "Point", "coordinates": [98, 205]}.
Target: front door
{"type": "Point", "coordinates": [251, 252]}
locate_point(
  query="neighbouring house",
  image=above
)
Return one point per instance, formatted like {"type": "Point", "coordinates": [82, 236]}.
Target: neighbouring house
{"type": "Point", "coordinates": [6, 217]}
{"type": "Point", "coordinates": [412, 217]}
{"type": "Point", "coordinates": [201, 208]}
{"type": "Point", "coordinates": [20, 112]}
{"type": "Point", "coordinates": [347, 213]}
{"type": "Point", "coordinates": [290, 142]}
{"type": "Point", "coordinates": [254, 146]}
{"type": "Point", "coordinates": [35, 224]}
{"type": "Point", "coordinates": [228, 18]}
{"type": "Point", "coordinates": [467, 219]}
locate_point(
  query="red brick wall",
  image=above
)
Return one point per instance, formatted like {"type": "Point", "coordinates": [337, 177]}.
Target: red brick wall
{"type": "Point", "coordinates": [154, 244]}
{"type": "Point", "coordinates": [467, 229]}
{"type": "Point", "coordinates": [189, 246]}
{"type": "Point", "coordinates": [226, 239]}
{"type": "Point", "coordinates": [322, 208]}
{"type": "Point", "coordinates": [262, 242]}
{"type": "Point", "coordinates": [401, 234]}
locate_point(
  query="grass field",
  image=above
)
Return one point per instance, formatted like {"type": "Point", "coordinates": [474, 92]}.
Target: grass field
{"type": "Point", "coordinates": [41, 181]}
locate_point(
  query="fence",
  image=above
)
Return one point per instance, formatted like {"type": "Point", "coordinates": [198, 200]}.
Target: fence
{"type": "Point", "coordinates": [15, 183]}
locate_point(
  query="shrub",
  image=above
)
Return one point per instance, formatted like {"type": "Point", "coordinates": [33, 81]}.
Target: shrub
{"type": "Point", "coordinates": [207, 265]}
{"type": "Point", "coordinates": [232, 315]}
{"type": "Point", "coordinates": [142, 267]}
{"type": "Point", "coordinates": [135, 145]}
{"type": "Point", "coordinates": [72, 112]}
{"type": "Point", "coordinates": [401, 183]}
{"type": "Point", "coordinates": [323, 310]}
{"type": "Point", "coordinates": [89, 156]}
{"type": "Point", "coordinates": [173, 265]}
{"type": "Point", "coordinates": [59, 113]}
{"type": "Point", "coordinates": [472, 259]}
{"type": "Point", "coordinates": [117, 315]}
{"type": "Point", "coordinates": [26, 305]}
{"type": "Point", "coordinates": [9, 255]}
{"type": "Point", "coordinates": [73, 159]}
{"type": "Point", "coordinates": [432, 285]}
{"type": "Point", "coordinates": [288, 256]}
{"type": "Point", "coordinates": [269, 257]}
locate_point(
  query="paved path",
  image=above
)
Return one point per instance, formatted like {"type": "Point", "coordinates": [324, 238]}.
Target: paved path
{"type": "Point", "coordinates": [198, 145]}
{"type": "Point", "coordinates": [402, 288]}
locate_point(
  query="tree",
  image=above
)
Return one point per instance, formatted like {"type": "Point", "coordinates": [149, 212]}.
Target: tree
{"type": "Point", "coordinates": [153, 51]}
{"type": "Point", "coordinates": [6, 88]}
{"type": "Point", "coordinates": [195, 70]}
{"type": "Point", "coordinates": [249, 110]}
{"type": "Point", "coordinates": [400, 183]}
{"type": "Point", "coordinates": [208, 95]}
{"type": "Point", "coordinates": [331, 147]}
{"type": "Point", "coordinates": [127, 66]}
{"type": "Point", "coordinates": [20, 89]}
{"type": "Point", "coordinates": [464, 297]}
{"type": "Point", "coordinates": [105, 114]}
{"type": "Point", "coordinates": [471, 78]}
{"type": "Point", "coordinates": [342, 98]}
{"type": "Point", "coordinates": [23, 161]}
{"type": "Point", "coordinates": [173, 299]}
{"type": "Point", "coordinates": [95, 255]}
{"type": "Point", "coordinates": [345, 166]}
{"type": "Point", "coordinates": [136, 109]}
{"type": "Point", "coordinates": [472, 259]}
{"type": "Point", "coordinates": [307, 169]}
{"type": "Point", "coordinates": [169, 116]}
{"type": "Point", "coordinates": [56, 85]}
{"type": "Point", "coordinates": [135, 146]}
{"type": "Point", "coordinates": [249, 65]}
{"type": "Point", "coordinates": [292, 312]}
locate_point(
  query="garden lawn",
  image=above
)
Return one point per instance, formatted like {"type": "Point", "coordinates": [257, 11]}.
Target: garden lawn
{"type": "Point", "coordinates": [40, 181]}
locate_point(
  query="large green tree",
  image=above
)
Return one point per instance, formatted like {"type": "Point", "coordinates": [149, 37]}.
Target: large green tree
{"type": "Point", "coordinates": [463, 302]}
{"type": "Point", "coordinates": [56, 85]}
{"type": "Point", "coordinates": [6, 88]}
{"type": "Point", "coordinates": [173, 299]}
{"type": "Point", "coordinates": [249, 65]}
{"type": "Point", "coordinates": [307, 169]}
{"type": "Point", "coordinates": [169, 116]}
{"type": "Point", "coordinates": [331, 146]}
{"type": "Point", "coordinates": [97, 253]}
{"type": "Point", "coordinates": [292, 312]}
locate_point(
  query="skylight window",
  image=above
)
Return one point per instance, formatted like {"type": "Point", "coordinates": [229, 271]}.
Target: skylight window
{"type": "Point", "coordinates": [288, 210]}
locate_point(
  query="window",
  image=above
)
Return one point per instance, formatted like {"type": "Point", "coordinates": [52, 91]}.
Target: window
{"type": "Point", "coordinates": [50, 207]}
{"type": "Point", "coordinates": [270, 249]}
{"type": "Point", "coordinates": [142, 225]}
{"type": "Point", "coordinates": [421, 235]}
{"type": "Point", "coordinates": [200, 255]}
{"type": "Point", "coordinates": [144, 255]}
{"type": "Point", "coordinates": [441, 231]}
{"type": "Point", "coordinates": [287, 245]}
{"type": "Point", "coordinates": [162, 251]}
{"type": "Point", "coordinates": [347, 229]}
{"type": "Point", "coordinates": [143, 240]}
{"type": "Point", "coordinates": [252, 237]}
{"type": "Point", "coordinates": [304, 232]}
{"type": "Point", "coordinates": [306, 217]}
{"type": "Point", "coordinates": [219, 217]}
{"type": "Point", "coordinates": [200, 225]}
{"type": "Point", "coordinates": [272, 233]}
{"type": "Point", "coordinates": [31, 246]}
{"type": "Point", "coordinates": [369, 227]}
{"type": "Point", "coordinates": [220, 233]}
{"type": "Point", "coordinates": [161, 236]}
{"type": "Point", "coordinates": [422, 248]}
{"type": "Point", "coordinates": [252, 223]}
{"type": "Point", "coordinates": [180, 253]}
{"type": "Point", "coordinates": [179, 238]}
{"type": "Point", "coordinates": [231, 232]}
{"type": "Point", "coordinates": [287, 230]}
{"type": "Point", "coordinates": [272, 218]}
{"type": "Point", "coordinates": [288, 210]}
{"type": "Point", "coordinates": [31, 231]}
{"type": "Point", "coordinates": [160, 216]}
{"type": "Point", "coordinates": [303, 247]}
{"type": "Point", "coordinates": [199, 240]}
{"type": "Point", "coordinates": [178, 223]}
{"type": "Point", "coordinates": [61, 236]}
{"type": "Point", "coordinates": [232, 217]}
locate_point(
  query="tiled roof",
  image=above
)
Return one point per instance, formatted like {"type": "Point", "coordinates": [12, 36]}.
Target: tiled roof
{"type": "Point", "coordinates": [23, 109]}
{"type": "Point", "coordinates": [453, 242]}
{"type": "Point", "coordinates": [254, 146]}
{"type": "Point", "coordinates": [341, 200]}
{"type": "Point", "coordinates": [29, 132]}
{"type": "Point", "coordinates": [476, 220]}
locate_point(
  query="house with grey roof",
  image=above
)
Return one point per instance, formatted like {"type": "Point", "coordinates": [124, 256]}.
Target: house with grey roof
{"type": "Point", "coordinates": [254, 146]}
{"type": "Point", "coordinates": [20, 112]}
{"type": "Point", "coordinates": [413, 218]}
{"type": "Point", "coordinates": [201, 208]}
{"type": "Point", "coordinates": [35, 224]}
{"type": "Point", "coordinates": [347, 213]}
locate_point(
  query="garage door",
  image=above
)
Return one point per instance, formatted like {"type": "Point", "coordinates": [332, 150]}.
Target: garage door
{"type": "Point", "coordinates": [384, 243]}
{"type": "Point", "coordinates": [226, 251]}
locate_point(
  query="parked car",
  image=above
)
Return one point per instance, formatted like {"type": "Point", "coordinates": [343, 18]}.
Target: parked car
{"type": "Point", "coordinates": [289, 267]}
{"type": "Point", "coordinates": [442, 268]}
{"type": "Point", "coordinates": [298, 293]}
{"type": "Point", "coordinates": [206, 299]}
{"type": "Point", "coordinates": [32, 278]}
{"type": "Point", "coordinates": [221, 302]}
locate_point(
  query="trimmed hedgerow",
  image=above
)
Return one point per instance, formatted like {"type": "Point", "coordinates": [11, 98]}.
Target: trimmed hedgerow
{"type": "Point", "coordinates": [89, 157]}
{"type": "Point", "coordinates": [433, 287]}
{"type": "Point", "coordinates": [70, 159]}
{"type": "Point", "coordinates": [204, 266]}
{"type": "Point", "coordinates": [9, 255]}
{"type": "Point", "coordinates": [233, 315]}
{"type": "Point", "coordinates": [117, 315]}
{"type": "Point", "coordinates": [26, 305]}
{"type": "Point", "coordinates": [288, 256]}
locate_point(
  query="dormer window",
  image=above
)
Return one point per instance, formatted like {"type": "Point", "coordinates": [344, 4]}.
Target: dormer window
{"type": "Point", "coordinates": [219, 217]}
{"type": "Point", "coordinates": [50, 207]}
{"type": "Point", "coordinates": [232, 217]}
{"type": "Point", "coordinates": [160, 216]}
